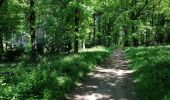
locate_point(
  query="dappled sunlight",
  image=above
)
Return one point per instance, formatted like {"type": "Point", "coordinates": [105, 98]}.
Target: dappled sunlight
{"type": "Point", "coordinates": [109, 82]}
{"type": "Point", "coordinates": [48, 46]}
{"type": "Point", "coordinates": [71, 58]}
{"type": "Point", "coordinates": [95, 49]}
{"type": "Point", "coordinates": [151, 65]}
{"type": "Point", "coordinates": [93, 96]}
{"type": "Point", "coordinates": [53, 76]}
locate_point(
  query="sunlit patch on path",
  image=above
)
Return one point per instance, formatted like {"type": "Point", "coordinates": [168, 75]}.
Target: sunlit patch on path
{"type": "Point", "coordinates": [112, 80]}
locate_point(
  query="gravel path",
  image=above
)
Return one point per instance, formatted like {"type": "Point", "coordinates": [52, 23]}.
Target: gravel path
{"type": "Point", "coordinates": [112, 80]}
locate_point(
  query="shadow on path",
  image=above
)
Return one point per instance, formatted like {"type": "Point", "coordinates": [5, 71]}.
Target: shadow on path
{"type": "Point", "coordinates": [109, 81]}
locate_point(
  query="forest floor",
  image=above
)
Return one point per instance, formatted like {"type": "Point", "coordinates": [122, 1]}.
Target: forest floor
{"type": "Point", "coordinates": [111, 80]}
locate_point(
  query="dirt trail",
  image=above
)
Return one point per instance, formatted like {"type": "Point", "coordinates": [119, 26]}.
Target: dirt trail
{"type": "Point", "coordinates": [112, 80]}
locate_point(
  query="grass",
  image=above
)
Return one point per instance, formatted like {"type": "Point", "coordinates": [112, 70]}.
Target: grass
{"type": "Point", "coordinates": [51, 78]}
{"type": "Point", "coordinates": [152, 71]}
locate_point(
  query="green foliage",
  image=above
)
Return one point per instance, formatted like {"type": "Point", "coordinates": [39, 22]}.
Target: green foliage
{"type": "Point", "coordinates": [58, 26]}
{"type": "Point", "coordinates": [110, 22]}
{"type": "Point", "coordinates": [51, 78]}
{"type": "Point", "coordinates": [152, 67]}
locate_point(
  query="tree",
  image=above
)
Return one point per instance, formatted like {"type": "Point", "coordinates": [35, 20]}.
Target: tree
{"type": "Point", "coordinates": [76, 41]}
{"type": "Point", "coordinates": [1, 29]}
{"type": "Point", "coordinates": [32, 21]}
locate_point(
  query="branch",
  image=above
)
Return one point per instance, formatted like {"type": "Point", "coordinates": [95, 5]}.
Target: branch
{"type": "Point", "coordinates": [146, 2]}
{"type": "Point", "coordinates": [157, 3]}
{"type": "Point", "coordinates": [139, 12]}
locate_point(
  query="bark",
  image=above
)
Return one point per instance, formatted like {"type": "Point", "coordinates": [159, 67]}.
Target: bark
{"type": "Point", "coordinates": [40, 40]}
{"type": "Point", "coordinates": [126, 43]}
{"type": "Point", "coordinates": [109, 29]}
{"type": "Point", "coordinates": [160, 35]}
{"type": "Point", "coordinates": [32, 30]}
{"type": "Point", "coordinates": [69, 43]}
{"type": "Point", "coordinates": [76, 42]}
{"type": "Point", "coordinates": [147, 38]}
{"type": "Point", "coordinates": [135, 40]}
{"type": "Point", "coordinates": [94, 29]}
{"type": "Point", "coordinates": [1, 36]}
{"type": "Point", "coordinates": [105, 34]}
{"type": "Point", "coordinates": [168, 39]}
{"type": "Point", "coordinates": [1, 47]}
{"type": "Point", "coordinates": [152, 16]}
{"type": "Point", "coordinates": [84, 44]}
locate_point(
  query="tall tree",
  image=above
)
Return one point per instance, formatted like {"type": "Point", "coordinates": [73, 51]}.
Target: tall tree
{"type": "Point", "coordinates": [76, 41]}
{"type": "Point", "coordinates": [32, 21]}
{"type": "Point", "coordinates": [1, 35]}
{"type": "Point", "coordinates": [94, 29]}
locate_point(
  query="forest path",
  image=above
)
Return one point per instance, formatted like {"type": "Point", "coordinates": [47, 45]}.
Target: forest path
{"type": "Point", "coordinates": [112, 80]}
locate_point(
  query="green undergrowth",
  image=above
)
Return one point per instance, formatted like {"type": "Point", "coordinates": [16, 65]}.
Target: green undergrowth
{"type": "Point", "coordinates": [152, 71]}
{"type": "Point", "coordinates": [50, 79]}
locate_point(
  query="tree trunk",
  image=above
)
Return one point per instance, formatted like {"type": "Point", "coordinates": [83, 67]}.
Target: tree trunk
{"type": "Point", "coordinates": [105, 33]}
{"type": "Point", "coordinates": [135, 40]}
{"type": "Point", "coordinates": [109, 28]}
{"type": "Point", "coordinates": [6, 46]}
{"type": "Point", "coordinates": [126, 38]}
{"type": "Point", "coordinates": [69, 44]}
{"type": "Point", "coordinates": [1, 36]}
{"type": "Point", "coordinates": [133, 18]}
{"type": "Point", "coordinates": [1, 46]}
{"type": "Point", "coordinates": [126, 42]}
{"type": "Point", "coordinates": [76, 42]}
{"type": "Point", "coordinates": [32, 30]}
{"type": "Point", "coordinates": [84, 44]}
{"type": "Point", "coordinates": [147, 38]}
{"type": "Point", "coordinates": [94, 29]}
{"type": "Point", "coordinates": [1, 2]}
{"type": "Point", "coordinates": [168, 39]}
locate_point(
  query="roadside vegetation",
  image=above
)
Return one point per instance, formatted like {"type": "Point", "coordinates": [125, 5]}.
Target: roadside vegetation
{"type": "Point", "coordinates": [152, 71]}
{"type": "Point", "coordinates": [41, 43]}
{"type": "Point", "coordinates": [49, 79]}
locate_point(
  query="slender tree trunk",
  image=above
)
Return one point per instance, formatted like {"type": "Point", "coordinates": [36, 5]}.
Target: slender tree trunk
{"type": "Point", "coordinates": [76, 42]}
{"type": "Point", "coordinates": [6, 46]}
{"type": "Point", "coordinates": [40, 41]}
{"type": "Point", "coordinates": [135, 40]}
{"type": "Point", "coordinates": [94, 29]}
{"type": "Point", "coordinates": [1, 36]}
{"type": "Point", "coordinates": [109, 40]}
{"type": "Point", "coordinates": [133, 18]}
{"type": "Point", "coordinates": [146, 37]}
{"type": "Point", "coordinates": [69, 43]}
{"type": "Point", "coordinates": [168, 38]}
{"type": "Point", "coordinates": [152, 16]}
{"type": "Point", "coordinates": [32, 30]}
{"type": "Point", "coordinates": [109, 28]}
{"type": "Point", "coordinates": [105, 33]}
{"type": "Point", "coordinates": [84, 44]}
{"type": "Point", "coordinates": [133, 31]}
{"type": "Point", "coordinates": [126, 42]}
{"type": "Point", "coordinates": [152, 23]}
{"type": "Point", "coordinates": [1, 46]}
{"type": "Point", "coordinates": [69, 46]}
